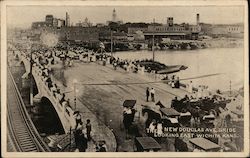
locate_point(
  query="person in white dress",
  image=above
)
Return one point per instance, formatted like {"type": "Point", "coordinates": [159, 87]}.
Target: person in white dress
{"type": "Point", "coordinates": [190, 87]}
{"type": "Point", "coordinates": [159, 129]}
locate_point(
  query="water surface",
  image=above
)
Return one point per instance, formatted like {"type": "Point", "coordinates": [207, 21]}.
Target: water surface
{"type": "Point", "coordinates": [227, 61]}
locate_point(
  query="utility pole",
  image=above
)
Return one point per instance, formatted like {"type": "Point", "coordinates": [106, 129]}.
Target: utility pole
{"type": "Point", "coordinates": [111, 40]}
{"type": "Point", "coordinates": [75, 96]}
{"type": "Point", "coordinates": [230, 87]}
{"type": "Point", "coordinates": [75, 91]}
{"type": "Point", "coordinates": [153, 43]}
{"type": "Point", "coordinates": [31, 80]}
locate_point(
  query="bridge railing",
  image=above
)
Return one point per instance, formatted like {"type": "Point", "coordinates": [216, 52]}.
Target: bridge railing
{"type": "Point", "coordinates": [65, 111]}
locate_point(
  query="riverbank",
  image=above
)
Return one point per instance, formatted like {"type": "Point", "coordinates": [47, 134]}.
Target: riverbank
{"type": "Point", "coordinates": [224, 42]}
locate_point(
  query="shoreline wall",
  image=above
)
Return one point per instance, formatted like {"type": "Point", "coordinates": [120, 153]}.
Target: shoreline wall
{"type": "Point", "coordinates": [224, 42]}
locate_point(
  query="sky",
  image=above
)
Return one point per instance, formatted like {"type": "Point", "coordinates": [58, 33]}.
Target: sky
{"type": "Point", "coordinates": [23, 16]}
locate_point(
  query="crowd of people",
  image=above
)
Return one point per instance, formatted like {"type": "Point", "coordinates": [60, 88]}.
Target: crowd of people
{"type": "Point", "coordinates": [42, 61]}
{"type": "Point", "coordinates": [83, 135]}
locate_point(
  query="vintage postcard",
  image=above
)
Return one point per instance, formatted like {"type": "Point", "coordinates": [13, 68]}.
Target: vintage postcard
{"type": "Point", "coordinates": [165, 77]}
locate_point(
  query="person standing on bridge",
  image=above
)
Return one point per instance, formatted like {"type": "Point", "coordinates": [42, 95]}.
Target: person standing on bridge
{"type": "Point", "coordinates": [82, 142]}
{"type": "Point", "coordinates": [147, 93]}
{"type": "Point", "coordinates": [190, 87]}
{"type": "Point", "coordinates": [88, 127]}
{"type": "Point", "coordinates": [152, 93]}
{"type": "Point", "coordinates": [78, 118]}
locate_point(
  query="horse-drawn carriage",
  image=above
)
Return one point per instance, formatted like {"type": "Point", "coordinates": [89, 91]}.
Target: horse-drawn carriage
{"type": "Point", "coordinates": [205, 109]}
{"type": "Point", "coordinates": [170, 117]}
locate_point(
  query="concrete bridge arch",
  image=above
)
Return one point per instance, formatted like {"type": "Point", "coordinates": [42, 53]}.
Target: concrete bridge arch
{"type": "Point", "coordinates": [50, 120]}
{"type": "Point", "coordinates": [65, 113]}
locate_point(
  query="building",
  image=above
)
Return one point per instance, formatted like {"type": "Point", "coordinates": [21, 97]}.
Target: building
{"type": "Point", "coordinates": [227, 30]}
{"type": "Point", "coordinates": [114, 18]}
{"type": "Point", "coordinates": [77, 33]}
{"type": "Point", "coordinates": [222, 30]}
{"type": "Point", "coordinates": [67, 20]}
{"type": "Point", "coordinates": [50, 21]}
{"type": "Point", "coordinates": [119, 36]}
{"type": "Point", "coordinates": [58, 22]}
{"type": "Point", "coordinates": [40, 24]}
{"type": "Point", "coordinates": [206, 29]}
{"type": "Point", "coordinates": [100, 25]}
{"type": "Point", "coordinates": [133, 30]}
{"type": "Point", "coordinates": [170, 21]}
{"type": "Point", "coordinates": [173, 31]}
{"type": "Point", "coordinates": [64, 31]}
{"type": "Point", "coordinates": [86, 23]}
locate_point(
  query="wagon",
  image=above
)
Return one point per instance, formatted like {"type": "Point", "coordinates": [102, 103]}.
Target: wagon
{"type": "Point", "coordinates": [145, 144]}
{"type": "Point", "coordinates": [203, 144]}
{"type": "Point", "coordinates": [129, 103]}
{"type": "Point", "coordinates": [170, 117]}
{"type": "Point", "coordinates": [185, 118]}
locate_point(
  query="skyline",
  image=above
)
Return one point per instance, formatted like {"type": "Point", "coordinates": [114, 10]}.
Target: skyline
{"type": "Point", "coordinates": [20, 16]}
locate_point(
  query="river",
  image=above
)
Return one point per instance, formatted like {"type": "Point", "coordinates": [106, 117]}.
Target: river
{"type": "Point", "coordinates": [229, 62]}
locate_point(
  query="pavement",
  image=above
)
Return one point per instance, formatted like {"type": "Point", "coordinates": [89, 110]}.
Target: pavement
{"type": "Point", "coordinates": [99, 130]}
{"type": "Point", "coordinates": [102, 104]}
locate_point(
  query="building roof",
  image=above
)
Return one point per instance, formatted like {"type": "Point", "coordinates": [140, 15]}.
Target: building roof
{"type": "Point", "coordinates": [166, 33]}
{"type": "Point", "coordinates": [203, 143]}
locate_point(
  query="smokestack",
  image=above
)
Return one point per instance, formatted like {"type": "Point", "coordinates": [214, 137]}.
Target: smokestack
{"type": "Point", "coordinates": [197, 19]}
{"type": "Point", "coordinates": [67, 21]}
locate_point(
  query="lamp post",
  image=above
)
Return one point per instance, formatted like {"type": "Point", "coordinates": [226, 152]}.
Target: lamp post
{"type": "Point", "coordinates": [74, 82]}
{"type": "Point", "coordinates": [31, 81]}
{"type": "Point", "coordinates": [111, 41]}
{"type": "Point", "coordinates": [153, 43]}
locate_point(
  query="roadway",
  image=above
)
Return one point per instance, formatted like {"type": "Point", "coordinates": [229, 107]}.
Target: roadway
{"type": "Point", "coordinates": [105, 101]}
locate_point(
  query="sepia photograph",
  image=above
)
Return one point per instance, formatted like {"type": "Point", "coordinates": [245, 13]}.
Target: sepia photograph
{"type": "Point", "coordinates": [122, 76]}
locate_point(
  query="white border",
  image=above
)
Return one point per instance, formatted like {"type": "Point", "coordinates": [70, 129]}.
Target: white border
{"type": "Point", "coordinates": [4, 4]}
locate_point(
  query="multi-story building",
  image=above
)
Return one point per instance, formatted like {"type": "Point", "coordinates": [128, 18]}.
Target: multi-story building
{"type": "Point", "coordinates": [234, 30]}
{"type": "Point", "coordinates": [86, 23]}
{"type": "Point", "coordinates": [58, 22]}
{"type": "Point", "coordinates": [173, 31]}
{"type": "Point", "coordinates": [50, 21]}
{"type": "Point", "coordinates": [76, 33]}
{"type": "Point", "coordinates": [222, 30]}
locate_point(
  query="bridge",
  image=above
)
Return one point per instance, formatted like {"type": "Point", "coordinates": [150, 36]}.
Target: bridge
{"type": "Point", "coordinates": [65, 113]}
{"type": "Point", "coordinates": [22, 134]}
